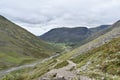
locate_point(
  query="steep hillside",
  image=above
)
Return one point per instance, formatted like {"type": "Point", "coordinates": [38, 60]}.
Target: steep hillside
{"type": "Point", "coordinates": [18, 45]}
{"type": "Point", "coordinates": [102, 62]}
{"type": "Point", "coordinates": [71, 35]}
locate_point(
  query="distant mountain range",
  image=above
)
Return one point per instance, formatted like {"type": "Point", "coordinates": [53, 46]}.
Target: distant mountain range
{"type": "Point", "coordinates": [76, 35]}
{"type": "Point", "coordinates": [18, 46]}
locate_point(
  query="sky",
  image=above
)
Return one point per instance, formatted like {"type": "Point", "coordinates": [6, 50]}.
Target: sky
{"type": "Point", "coordinates": [39, 16]}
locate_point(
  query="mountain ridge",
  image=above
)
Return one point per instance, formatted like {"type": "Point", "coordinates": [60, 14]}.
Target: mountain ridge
{"type": "Point", "coordinates": [71, 35]}
{"type": "Point", "coordinates": [17, 45]}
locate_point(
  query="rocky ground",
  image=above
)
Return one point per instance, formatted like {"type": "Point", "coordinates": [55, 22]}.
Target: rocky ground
{"type": "Point", "coordinates": [65, 73]}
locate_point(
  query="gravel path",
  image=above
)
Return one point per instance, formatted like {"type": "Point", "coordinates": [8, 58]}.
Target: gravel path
{"type": "Point", "coordinates": [63, 73]}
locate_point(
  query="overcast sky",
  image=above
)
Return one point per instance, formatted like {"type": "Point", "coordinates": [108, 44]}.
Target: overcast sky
{"type": "Point", "coordinates": [39, 16]}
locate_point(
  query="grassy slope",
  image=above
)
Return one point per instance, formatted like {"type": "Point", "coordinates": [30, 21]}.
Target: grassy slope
{"type": "Point", "coordinates": [102, 60]}
{"type": "Point", "coordinates": [18, 45]}
{"type": "Point", "coordinates": [31, 73]}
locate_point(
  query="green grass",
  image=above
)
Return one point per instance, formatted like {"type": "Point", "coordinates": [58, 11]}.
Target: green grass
{"type": "Point", "coordinates": [61, 64]}
{"type": "Point", "coordinates": [104, 59]}
{"type": "Point", "coordinates": [31, 73]}
{"type": "Point", "coordinates": [10, 61]}
{"type": "Point", "coordinates": [63, 46]}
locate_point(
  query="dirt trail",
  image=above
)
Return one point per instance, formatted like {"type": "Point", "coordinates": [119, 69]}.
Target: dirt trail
{"type": "Point", "coordinates": [5, 72]}
{"type": "Point", "coordinates": [64, 73]}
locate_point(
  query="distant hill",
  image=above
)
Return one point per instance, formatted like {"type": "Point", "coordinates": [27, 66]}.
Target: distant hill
{"type": "Point", "coordinates": [17, 45]}
{"type": "Point", "coordinates": [71, 35]}
{"type": "Point", "coordinates": [99, 28]}
{"type": "Point", "coordinates": [61, 35]}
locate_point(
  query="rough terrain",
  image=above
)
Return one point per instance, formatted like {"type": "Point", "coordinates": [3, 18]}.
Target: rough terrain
{"type": "Point", "coordinates": [65, 73]}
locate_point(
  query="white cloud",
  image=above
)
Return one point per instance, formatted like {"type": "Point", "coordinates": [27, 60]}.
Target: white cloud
{"type": "Point", "coordinates": [38, 16]}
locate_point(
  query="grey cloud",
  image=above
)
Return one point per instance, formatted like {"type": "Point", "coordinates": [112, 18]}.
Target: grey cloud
{"type": "Point", "coordinates": [48, 14]}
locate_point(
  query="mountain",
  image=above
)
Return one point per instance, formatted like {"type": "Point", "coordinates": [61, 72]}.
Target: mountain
{"type": "Point", "coordinates": [98, 59]}
{"type": "Point", "coordinates": [71, 35]}
{"type": "Point", "coordinates": [64, 34]}
{"type": "Point", "coordinates": [96, 32]}
{"type": "Point", "coordinates": [112, 32]}
{"type": "Point", "coordinates": [99, 28]}
{"type": "Point", "coordinates": [18, 46]}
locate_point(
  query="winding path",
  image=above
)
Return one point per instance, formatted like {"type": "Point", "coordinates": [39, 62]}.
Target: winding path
{"type": "Point", "coordinates": [5, 72]}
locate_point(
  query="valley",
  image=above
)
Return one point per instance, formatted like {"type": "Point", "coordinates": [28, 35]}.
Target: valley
{"type": "Point", "coordinates": [93, 54]}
